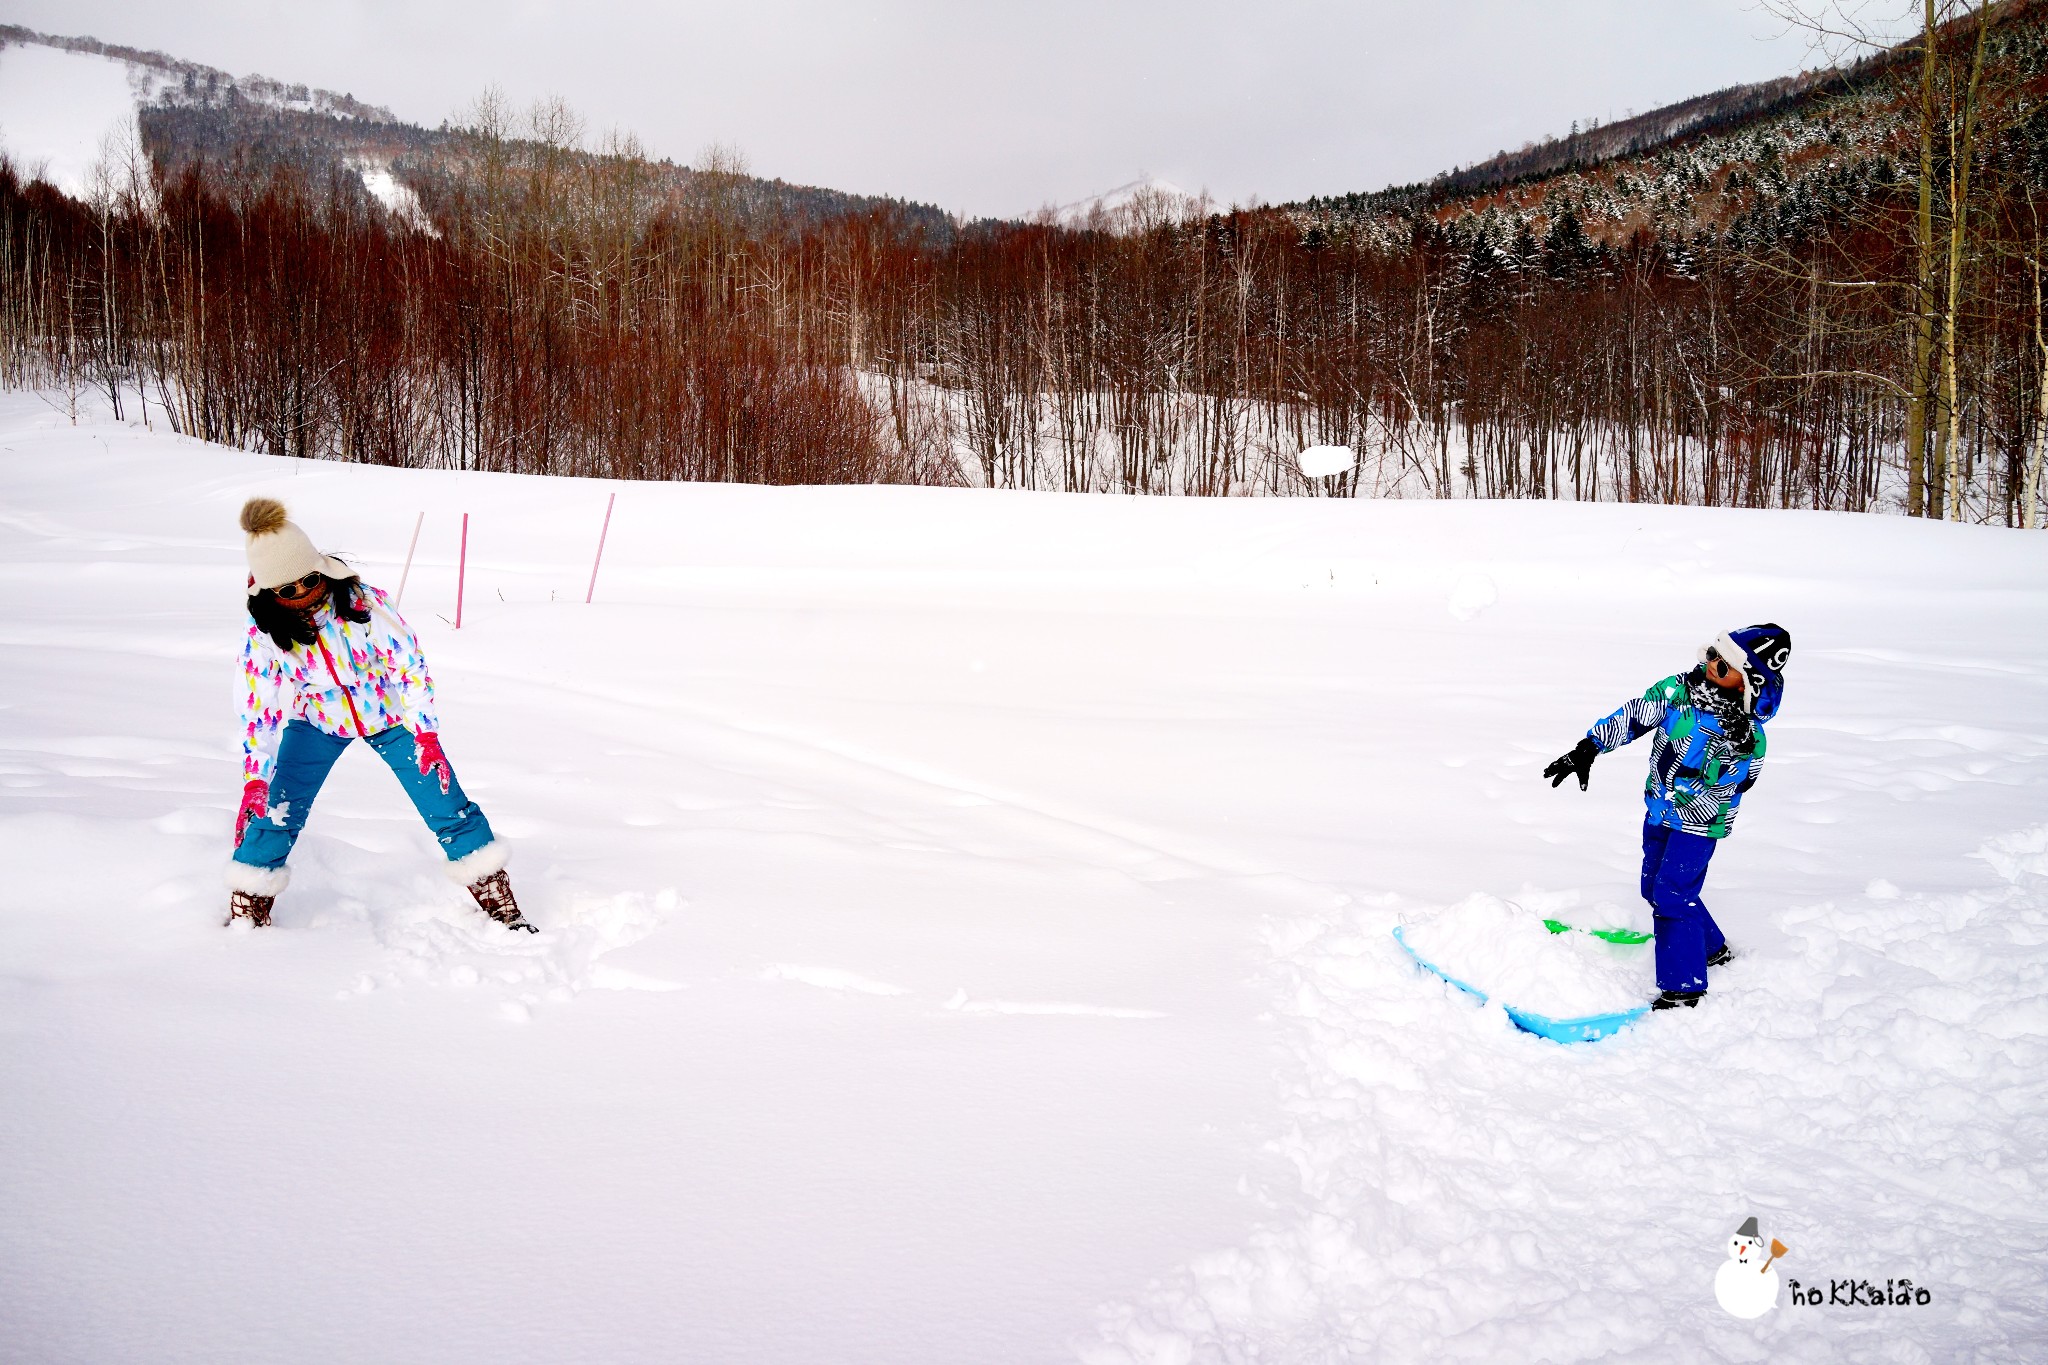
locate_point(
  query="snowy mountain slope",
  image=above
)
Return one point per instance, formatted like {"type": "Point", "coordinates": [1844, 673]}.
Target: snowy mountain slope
{"type": "Point", "coordinates": [1133, 207]}
{"type": "Point", "coordinates": [398, 198]}
{"type": "Point", "coordinates": [966, 932]}
{"type": "Point", "coordinates": [1749, 165]}
{"type": "Point", "coordinates": [186, 113]}
{"type": "Point", "coordinates": [157, 78]}
{"type": "Point", "coordinates": [70, 108]}
{"type": "Point", "coordinates": [63, 112]}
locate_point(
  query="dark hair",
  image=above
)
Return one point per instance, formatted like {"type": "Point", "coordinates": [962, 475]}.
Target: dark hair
{"type": "Point", "coordinates": [289, 627]}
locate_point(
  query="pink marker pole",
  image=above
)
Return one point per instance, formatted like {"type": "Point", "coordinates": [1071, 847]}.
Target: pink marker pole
{"type": "Point", "coordinates": [461, 570]}
{"type": "Point", "coordinates": [417, 523]}
{"type": "Point", "coordinates": [607, 529]}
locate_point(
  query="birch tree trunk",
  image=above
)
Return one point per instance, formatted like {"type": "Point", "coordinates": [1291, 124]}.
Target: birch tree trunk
{"type": "Point", "coordinates": [1961, 148]}
{"type": "Point", "coordinates": [1923, 287]}
{"type": "Point", "coordinates": [2030, 494]}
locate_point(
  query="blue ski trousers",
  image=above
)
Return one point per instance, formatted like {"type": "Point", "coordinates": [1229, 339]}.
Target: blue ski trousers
{"type": "Point", "coordinates": [306, 754]}
{"type": "Point", "coordinates": [1674, 867]}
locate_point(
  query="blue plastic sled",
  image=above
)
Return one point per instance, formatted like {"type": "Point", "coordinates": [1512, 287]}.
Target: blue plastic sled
{"type": "Point", "coordinates": [1583, 1029]}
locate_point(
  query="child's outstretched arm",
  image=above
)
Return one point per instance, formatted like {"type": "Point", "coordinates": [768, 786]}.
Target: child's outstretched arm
{"type": "Point", "coordinates": [1637, 717]}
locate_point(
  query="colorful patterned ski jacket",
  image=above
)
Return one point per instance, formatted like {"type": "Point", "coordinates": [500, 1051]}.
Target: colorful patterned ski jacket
{"type": "Point", "coordinates": [355, 680]}
{"type": "Point", "coordinates": [1697, 773]}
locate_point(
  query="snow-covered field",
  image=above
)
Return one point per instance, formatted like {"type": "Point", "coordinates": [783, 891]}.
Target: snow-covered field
{"type": "Point", "coordinates": [966, 934]}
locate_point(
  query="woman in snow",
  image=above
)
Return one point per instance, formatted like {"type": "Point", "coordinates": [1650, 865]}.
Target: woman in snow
{"type": "Point", "coordinates": [328, 661]}
{"type": "Point", "coordinates": [1707, 751]}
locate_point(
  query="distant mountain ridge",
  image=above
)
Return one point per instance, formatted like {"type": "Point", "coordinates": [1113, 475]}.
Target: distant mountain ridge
{"type": "Point", "coordinates": [1133, 207]}
{"type": "Point", "coordinates": [188, 112]}
{"type": "Point", "coordinates": [194, 85]}
{"type": "Point", "coordinates": [1639, 133]}
{"type": "Point", "coordinates": [1750, 164]}
{"type": "Point", "coordinates": [1696, 140]}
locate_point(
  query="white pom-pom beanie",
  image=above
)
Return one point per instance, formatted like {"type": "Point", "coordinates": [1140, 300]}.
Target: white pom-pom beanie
{"type": "Point", "coordinates": [279, 552]}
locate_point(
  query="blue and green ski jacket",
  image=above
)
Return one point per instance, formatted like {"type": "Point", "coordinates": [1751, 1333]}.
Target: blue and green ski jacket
{"type": "Point", "coordinates": [1697, 773]}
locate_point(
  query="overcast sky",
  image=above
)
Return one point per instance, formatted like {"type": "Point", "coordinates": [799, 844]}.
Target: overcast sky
{"type": "Point", "coordinates": [1001, 108]}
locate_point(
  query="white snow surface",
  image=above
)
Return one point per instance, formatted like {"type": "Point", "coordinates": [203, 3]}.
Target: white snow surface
{"type": "Point", "coordinates": [64, 113]}
{"type": "Point", "coordinates": [1503, 950]}
{"type": "Point", "coordinates": [395, 195]}
{"type": "Point", "coordinates": [966, 933]}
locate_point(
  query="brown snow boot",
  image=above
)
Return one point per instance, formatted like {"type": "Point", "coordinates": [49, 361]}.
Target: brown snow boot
{"type": "Point", "coordinates": [250, 906]}
{"type": "Point", "coordinates": [494, 896]}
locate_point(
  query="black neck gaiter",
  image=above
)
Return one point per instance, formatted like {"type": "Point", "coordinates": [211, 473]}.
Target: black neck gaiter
{"type": "Point", "coordinates": [1724, 704]}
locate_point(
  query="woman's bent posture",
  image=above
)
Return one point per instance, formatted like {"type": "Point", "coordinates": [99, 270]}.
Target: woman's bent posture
{"type": "Point", "coordinates": [328, 661]}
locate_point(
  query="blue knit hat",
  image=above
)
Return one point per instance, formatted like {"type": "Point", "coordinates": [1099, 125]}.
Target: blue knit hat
{"type": "Point", "coordinates": [1761, 653]}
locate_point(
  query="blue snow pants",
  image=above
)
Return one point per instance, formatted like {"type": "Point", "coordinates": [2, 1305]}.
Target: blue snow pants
{"type": "Point", "coordinates": [1674, 867]}
{"type": "Point", "coordinates": [306, 754]}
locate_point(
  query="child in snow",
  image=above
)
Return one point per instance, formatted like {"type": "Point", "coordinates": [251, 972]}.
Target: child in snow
{"type": "Point", "coordinates": [328, 661]}
{"type": "Point", "coordinates": [1708, 750]}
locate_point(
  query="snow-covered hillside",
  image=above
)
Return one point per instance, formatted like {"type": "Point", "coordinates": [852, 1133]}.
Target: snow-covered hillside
{"type": "Point", "coordinates": [69, 112]}
{"type": "Point", "coordinates": [966, 933]}
{"type": "Point", "coordinates": [1134, 207]}
{"type": "Point", "coordinates": [62, 114]}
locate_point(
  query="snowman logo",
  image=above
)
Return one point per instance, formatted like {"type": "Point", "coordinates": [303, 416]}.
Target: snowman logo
{"type": "Point", "coordinates": [1745, 1284]}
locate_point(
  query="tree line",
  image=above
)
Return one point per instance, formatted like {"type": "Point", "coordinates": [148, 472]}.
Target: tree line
{"type": "Point", "coordinates": [568, 313]}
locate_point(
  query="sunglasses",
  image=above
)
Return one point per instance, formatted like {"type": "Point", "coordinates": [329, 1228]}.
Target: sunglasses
{"type": "Point", "coordinates": [304, 587]}
{"type": "Point", "coordinates": [1716, 665]}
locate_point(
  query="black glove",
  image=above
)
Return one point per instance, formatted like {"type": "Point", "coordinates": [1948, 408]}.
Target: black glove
{"type": "Point", "coordinates": [1579, 760]}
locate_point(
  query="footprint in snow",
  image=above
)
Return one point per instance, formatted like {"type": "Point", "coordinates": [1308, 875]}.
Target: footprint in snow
{"type": "Point", "coordinates": [431, 939]}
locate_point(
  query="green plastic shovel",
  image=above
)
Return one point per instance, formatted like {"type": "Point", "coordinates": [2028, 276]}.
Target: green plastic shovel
{"type": "Point", "coordinates": [1558, 926]}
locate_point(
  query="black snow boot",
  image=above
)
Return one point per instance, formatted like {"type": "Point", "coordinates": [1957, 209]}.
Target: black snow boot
{"type": "Point", "coordinates": [494, 897]}
{"type": "Point", "coordinates": [1723, 955]}
{"type": "Point", "coordinates": [249, 906]}
{"type": "Point", "coordinates": [1671, 1000]}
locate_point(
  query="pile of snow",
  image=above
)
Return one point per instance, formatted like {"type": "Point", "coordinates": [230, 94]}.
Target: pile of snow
{"type": "Point", "coordinates": [1506, 953]}
{"type": "Point", "coordinates": [966, 933]}
{"type": "Point", "coordinates": [1316, 462]}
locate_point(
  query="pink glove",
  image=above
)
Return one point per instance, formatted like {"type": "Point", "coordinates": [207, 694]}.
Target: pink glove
{"type": "Point", "coordinates": [426, 747]}
{"type": "Point", "coordinates": [255, 801]}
